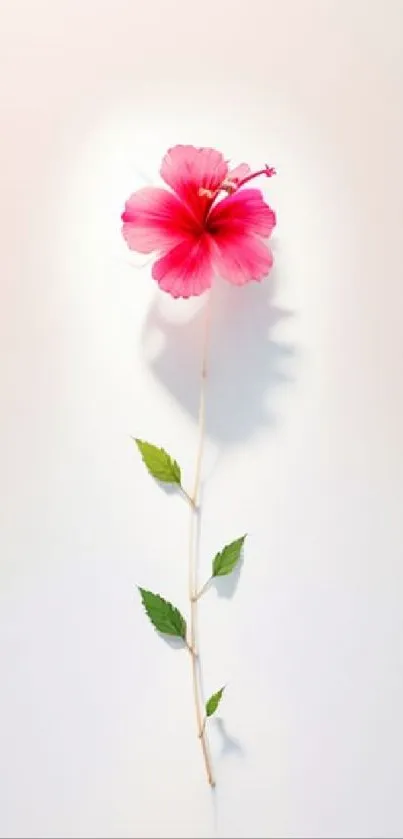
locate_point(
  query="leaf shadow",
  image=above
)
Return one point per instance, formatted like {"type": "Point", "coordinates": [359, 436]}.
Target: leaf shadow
{"type": "Point", "coordinates": [229, 744]}
{"type": "Point", "coordinates": [169, 489]}
{"type": "Point", "coordinates": [173, 641]}
{"type": "Point", "coordinates": [226, 586]}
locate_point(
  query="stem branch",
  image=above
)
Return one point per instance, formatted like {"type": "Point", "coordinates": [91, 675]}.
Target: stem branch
{"type": "Point", "coordinates": [187, 496]}
{"type": "Point", "coordinates": [203, 589]}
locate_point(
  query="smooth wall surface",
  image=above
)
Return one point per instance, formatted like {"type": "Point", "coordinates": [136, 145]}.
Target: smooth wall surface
{"type": "Point", "coordinates": [305, 425]}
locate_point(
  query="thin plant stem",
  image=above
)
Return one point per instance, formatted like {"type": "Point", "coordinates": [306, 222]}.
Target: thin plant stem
{"type": "Point", "coordinates": [190, 648]}
{"type": "Point", "coordinates": [194, 512]}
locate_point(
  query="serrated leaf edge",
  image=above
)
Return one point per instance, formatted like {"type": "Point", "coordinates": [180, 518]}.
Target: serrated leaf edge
{"type": "Point", "coordinates": [141, 589]}
{"type": "Point", "coordinates": [139, 442]}
{"type": "Point", "coordinates": [240, 539]}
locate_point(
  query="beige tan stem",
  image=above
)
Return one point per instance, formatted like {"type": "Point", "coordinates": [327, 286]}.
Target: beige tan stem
{"type": "Point", "coordinates": [193, 583]}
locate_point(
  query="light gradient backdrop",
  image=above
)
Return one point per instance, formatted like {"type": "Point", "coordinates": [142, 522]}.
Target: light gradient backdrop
{"type": "Point", "coordinates": [305, 448]}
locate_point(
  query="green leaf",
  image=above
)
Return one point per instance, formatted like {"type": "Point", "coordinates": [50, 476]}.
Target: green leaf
{"type": "Point", "coordinates": [163, 615]}
{"type": "Point", "coordinates": [213, 703]}
{"type": "Point", "coordinates": [225, 561]}
{"type": "Point", "coordinates": [159, 463]}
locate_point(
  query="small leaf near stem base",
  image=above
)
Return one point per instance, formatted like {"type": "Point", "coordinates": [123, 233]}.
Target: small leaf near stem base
{"type": "Point", "coordinates": [213, 703]}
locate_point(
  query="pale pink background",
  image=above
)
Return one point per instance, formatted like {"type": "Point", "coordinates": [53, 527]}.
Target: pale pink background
{"type": "Point", "coordinates": [305, 447]}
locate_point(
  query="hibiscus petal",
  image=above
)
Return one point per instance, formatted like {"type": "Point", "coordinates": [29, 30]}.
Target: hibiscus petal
{"type": "Point", "coordinates": [240, 258]}
{"type": "Point", "coordinates": [154, 219]}
{"type": "Point", "coordinates": [186, 270]}
{"type": "Point", "coordinates": [239, 173]}
{"type": "Point", "coordinates": [243, 211]}
{"type": "Point", "coordinates": [187, 170]}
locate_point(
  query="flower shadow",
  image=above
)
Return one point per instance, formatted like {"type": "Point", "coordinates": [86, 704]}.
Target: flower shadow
{"type": "Point", "coordinates": [245, 363]}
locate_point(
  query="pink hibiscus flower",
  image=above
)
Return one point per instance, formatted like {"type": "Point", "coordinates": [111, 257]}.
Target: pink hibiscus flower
{"type": "Point", "coordinates": [195, 230]}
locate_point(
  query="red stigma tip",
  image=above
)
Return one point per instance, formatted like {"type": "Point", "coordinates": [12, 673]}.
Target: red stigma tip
{"type": "Point", "coordinates": [269, 171]}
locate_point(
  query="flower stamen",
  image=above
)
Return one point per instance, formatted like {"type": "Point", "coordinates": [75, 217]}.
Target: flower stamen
{"type": "Point", "coordinates": [229, 186]}
{"type": "Point", "coordinates": [207, 193]}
